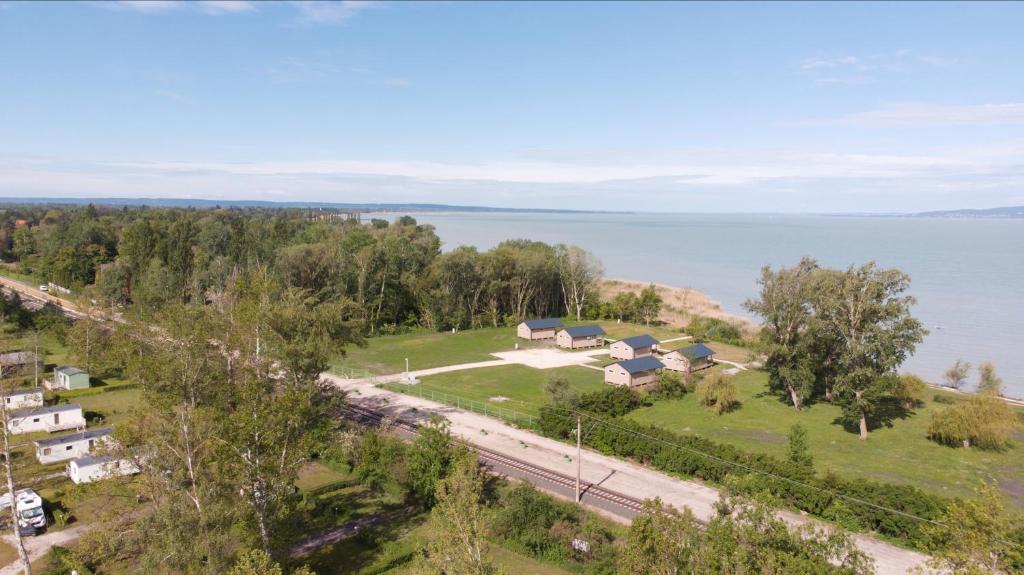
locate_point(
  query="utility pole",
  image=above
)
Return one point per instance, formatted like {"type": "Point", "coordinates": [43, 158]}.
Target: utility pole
{"type": "Point", "coordinates": [579, 454]}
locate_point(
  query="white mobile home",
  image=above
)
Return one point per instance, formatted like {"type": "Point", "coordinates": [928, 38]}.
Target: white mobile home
{"type": "Point", "coordinates": [91, 468]}
{"type": "Point", "coordinates": [48, 418]}
{"type": "Point", "coordinates": [64, 447]}
{"type": "Point", "coordinates": [633, 347]}
{"type": "Point", "coordinates": [21, 398]}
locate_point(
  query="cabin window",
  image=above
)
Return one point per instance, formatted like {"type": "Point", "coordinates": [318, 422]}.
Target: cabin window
{"type": "Point", "coordinates": [47, 451]}
{"type": "Point", "coordinates": [69, 448]}
{"type": "Point", "coordinates": [7, 399]}
{"type": "Point", "coordinates": [36, 420]}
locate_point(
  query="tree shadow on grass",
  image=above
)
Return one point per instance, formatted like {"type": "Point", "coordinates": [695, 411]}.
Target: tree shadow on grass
{"type": "Point", "coordinates": [886, 413]}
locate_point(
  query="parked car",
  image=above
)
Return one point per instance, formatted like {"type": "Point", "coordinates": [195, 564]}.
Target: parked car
{"type": "Point", "coordinates": [44, 288]}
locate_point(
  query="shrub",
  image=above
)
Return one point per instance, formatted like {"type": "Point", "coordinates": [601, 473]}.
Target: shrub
{"type": "Point", "coordinates": [612, 402]}
{"type": "Point", "coordinates": [718, 392]}
{"type": "Point", "coordinates": [984, 421]}
{"type": "Point", "coordinates": [939, 398]}
{"type": "Point", "coordinates": [670, 386]}
{"type": "Point", "coordinates": [705, 328]}
{"type": "Point", "coordinates": [909, 390]}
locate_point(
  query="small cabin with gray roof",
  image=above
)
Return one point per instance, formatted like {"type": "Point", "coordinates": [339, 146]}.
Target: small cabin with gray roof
{"type": "Point", "coordinates": [72, 445]}
{"type": "Point", "coordinates": [543, 328]}
{"type": "Point", "coordinates": [633, 347]}
{"type": "Point", "coordinates": [690, 358]}
{"type": "Point", "coordinates": [69, 377]}
{"type": "Point", "coordinates": [580, 336]}
{"type": "Point", "coordinates": [633, 372]}
{"type": "Point", "coordinates": [20, 363]}
{"type": "Point", "coordinates": [91, 468]}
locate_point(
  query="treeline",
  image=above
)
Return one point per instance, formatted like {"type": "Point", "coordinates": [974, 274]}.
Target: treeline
{"type": "Point", "coordinates": [393, 273]}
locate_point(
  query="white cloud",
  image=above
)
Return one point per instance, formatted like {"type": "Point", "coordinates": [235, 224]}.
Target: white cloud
{"type": "Point", "coordinates": [329, 12]}
{"type": "Point", "coordinates": [685, 179]}
{"type": "Point", "coordinates": [226, 6]}
{"type": "Point", "coordinates": [852, 69]}
{"type": "Point", "coordinates": [918, 114]}
{"type": "Point", "coordinates": [150, 6]}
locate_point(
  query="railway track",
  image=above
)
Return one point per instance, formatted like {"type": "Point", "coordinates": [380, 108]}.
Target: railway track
{"type": "Point", "coordinates": [590, 493]}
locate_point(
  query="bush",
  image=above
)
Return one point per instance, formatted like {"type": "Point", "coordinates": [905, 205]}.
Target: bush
{"type": "Point", "coordinates": [717, 391]}
{"type": "Point", "coordinates": [670, 386]}
{"type": "Point", "coordinates": [705, 328]}
{"type": "Point", "coordinates": [983, 421]}
{"type": "Point", "coordinates": [939, 398]}
{"type": "Point", "coordinates": [612, 402]}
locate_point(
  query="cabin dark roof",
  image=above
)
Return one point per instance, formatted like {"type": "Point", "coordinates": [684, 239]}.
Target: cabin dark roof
{"type": "Point", "coordinates": [639, 341]}
{"type": "Point", "coordinates": [90, 460]}
{"type": "Point", "coordinates": [72, 437]}
{"type": "Point", "coordinates": [584, 331]}
{"type": "Point", "coordinates": [696, 351]}
{"type": "Point", "coordinates": [640, 364]}
{"type": "Point", "coordinates": [543, 323]}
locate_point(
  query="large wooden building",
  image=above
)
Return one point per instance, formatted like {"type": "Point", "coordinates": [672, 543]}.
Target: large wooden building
{"type": "Point", "coordinates": [690, 358]}
{"type": "Point", "coordinates": [543, 328]}
{"type": "Point", "coordinates": [634, 372]}
{"type": "Point", "coordinates": [580, 336]}
{"type": "Point", "coordinates": [633, 347]}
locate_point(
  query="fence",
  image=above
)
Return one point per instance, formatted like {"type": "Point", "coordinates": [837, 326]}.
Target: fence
{"type": "Point", "coordinates": [516, 417]}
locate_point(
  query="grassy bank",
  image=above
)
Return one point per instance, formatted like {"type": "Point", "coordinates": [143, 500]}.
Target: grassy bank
{"type": "Point", "coordinates": [896, 451]}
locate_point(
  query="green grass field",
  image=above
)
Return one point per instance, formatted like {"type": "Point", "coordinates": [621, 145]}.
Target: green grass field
{"type": "Point", "coordinates": [898, 452]}
{"type": "Point", "coordinates": [523, 386]}
{"type": "Point", "coordinates": [426, 349]}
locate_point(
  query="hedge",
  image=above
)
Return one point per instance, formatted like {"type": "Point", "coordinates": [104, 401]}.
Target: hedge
{"type": "Point", "coordinates": [711, 461]}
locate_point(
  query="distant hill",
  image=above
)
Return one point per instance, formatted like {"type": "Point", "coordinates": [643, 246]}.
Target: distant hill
{"type": "Point", "coordinates": [1007, 212]}
{"type": "Point", "coordinates": [199, 203]}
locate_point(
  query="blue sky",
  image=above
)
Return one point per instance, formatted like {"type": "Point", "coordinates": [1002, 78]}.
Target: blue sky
{"type": "Point", "coordinates": [643, 106]}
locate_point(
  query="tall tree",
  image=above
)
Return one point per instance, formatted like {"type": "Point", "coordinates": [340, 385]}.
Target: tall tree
{"type": "Point", "coordinates": [988, 381]}
{"type": "Point", "coordinates": [456, 541]}
{"type": "Point", "coordinates": [8, 463]}
{"type": "Point", "coordinates": [648, 304]}
{"type": "Point", "coordinates": [865, 310]}
{"type": "Point", "coordinates": [578, 272]}
{"type": "Point", "coordinates": [660, 541]}
{"type": "Point", "coordinates": [786, 307]}
{"type": "Point", "coordinates": [957, 374]}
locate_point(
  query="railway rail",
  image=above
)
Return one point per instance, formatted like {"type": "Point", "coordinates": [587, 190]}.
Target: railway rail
{"type": "Point", "coordinates": [590, 493]}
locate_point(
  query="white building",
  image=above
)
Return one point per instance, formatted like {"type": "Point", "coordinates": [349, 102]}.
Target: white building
{"type": "Point", "coordinates": [64, 447]}
{"type": "Point", "coordinates": [48, 418]}
{"type": "Point", "coordinates": [21, 398]}
{"type": "Point", "coordinates": [92, 468]}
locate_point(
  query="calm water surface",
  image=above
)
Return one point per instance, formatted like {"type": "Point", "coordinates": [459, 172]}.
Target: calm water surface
{"type": "Point", "coordinates": [967, 274]}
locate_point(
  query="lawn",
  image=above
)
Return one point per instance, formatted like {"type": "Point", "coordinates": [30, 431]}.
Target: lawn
{"type": "Point", "coordinates": [522, 385]}
{"type": "Point", "coordinates": [426, 349]}
{"type": "Point", "coordinates": [387, 354]}
{"type": "Point", "coordinates": [896, 452]}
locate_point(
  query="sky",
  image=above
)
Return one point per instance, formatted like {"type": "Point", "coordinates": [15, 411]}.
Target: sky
{"type": "Point", "coordinates": [674, 107]}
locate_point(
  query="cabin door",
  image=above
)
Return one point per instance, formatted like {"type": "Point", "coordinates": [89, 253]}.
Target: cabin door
{"type": "Point", "coordinates": [56, 418]}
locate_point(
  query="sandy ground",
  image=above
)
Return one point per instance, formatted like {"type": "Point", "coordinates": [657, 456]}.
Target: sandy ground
{"type": "Point", "coordinates": [39, 545]}
{"type": "Point", "coordinates": [614, 474]}
{"type": "Point", "coordinates": [679, 304]}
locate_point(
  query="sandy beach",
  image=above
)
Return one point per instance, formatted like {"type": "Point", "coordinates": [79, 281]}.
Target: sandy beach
{"type": "Point", "coordinates": [680, 304]}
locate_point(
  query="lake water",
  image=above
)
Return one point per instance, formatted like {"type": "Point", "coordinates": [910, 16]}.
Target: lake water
{"type": "Point", "coordinates": [967, 274]}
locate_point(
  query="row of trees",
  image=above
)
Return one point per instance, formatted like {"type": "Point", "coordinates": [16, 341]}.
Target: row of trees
{"type": "Point", "coordinates": [836, 335]}
{"type": "Point", "coordinates": [395, 274]}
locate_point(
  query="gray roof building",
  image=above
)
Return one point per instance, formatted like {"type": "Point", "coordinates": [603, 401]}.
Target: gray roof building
{"type": "Point", "coordinates": [543, 323]}
{"type": "Point", "coordinates": [638, 341]}
{"type": "Point", "coordinates": [640, 364]}
{"type": "Point", "coordinates": [584, 330]}
{"type": "Point", "coordinates": [696, 351]}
